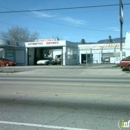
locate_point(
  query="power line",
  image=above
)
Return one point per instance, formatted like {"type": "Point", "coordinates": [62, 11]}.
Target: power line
{"type": "Point", "coordinates": [55, 22]}
{"type": "Point", "coordinates": [69, 8]}
{"type": "Point", "coordinates": [12, 11]}
{"type": "Point", "coordinates": [66, 29]}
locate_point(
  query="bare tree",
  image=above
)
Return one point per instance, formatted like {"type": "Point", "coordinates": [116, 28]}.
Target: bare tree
{"type": "Point", "coordinates": [19, 34]}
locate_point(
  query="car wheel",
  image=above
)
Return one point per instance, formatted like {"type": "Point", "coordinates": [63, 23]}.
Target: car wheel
{"type": "Point", "coordinates": [53, 63]}
{"type": "Point", "coordinates": [122, 69]}
{"type": "Point", "coordinates": [7, 64]}
{"type": "Point", "coordinates": [46, 63]}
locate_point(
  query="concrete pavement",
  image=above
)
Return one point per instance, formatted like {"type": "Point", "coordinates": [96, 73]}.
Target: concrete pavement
{"type": "Point", "coordinates": [76, 71]}
{"type": "Point", "coordinates": [63, 103]}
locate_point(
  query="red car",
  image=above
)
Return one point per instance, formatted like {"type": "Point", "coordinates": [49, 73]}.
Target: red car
{"type": "Point", "coordinates": [5, 62]}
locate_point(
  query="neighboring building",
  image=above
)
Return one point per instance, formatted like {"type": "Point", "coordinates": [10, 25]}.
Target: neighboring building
{"type": "Point", "coordinates": [100, 53]}
{"type": "Point", "coordinates": [104, 53]}
{"type": "Point", "coordinates": [1, 52]}
{"type": "Point", "coordinates": [14, 51]}
{"type": "Point", "coordinates": [127, 44]}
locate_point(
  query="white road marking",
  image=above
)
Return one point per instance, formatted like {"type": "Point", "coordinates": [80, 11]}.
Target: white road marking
{"type": "Point", "coordinates": [40, 126]}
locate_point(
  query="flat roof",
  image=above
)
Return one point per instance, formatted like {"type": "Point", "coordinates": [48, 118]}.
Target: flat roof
{"type": "Point", "coordinates": [100, 46]}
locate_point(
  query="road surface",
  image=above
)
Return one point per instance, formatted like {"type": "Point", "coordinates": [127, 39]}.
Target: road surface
{"type": "Point", "coordinates": [42, 101]}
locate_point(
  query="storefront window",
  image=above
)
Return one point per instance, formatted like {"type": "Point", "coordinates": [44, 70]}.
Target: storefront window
{"type": "Point", "coordinates": [72, 53]}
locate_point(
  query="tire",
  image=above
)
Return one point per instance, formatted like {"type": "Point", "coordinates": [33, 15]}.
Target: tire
{"type": "Point", "coordinates": [47, 63]}
{"type": "Point", "coordinates": [122, 69]}
{"type": "Point", "coordinates": [129, 68]}
{"type": "Point", "coordinates": [53, 63]}
{"type": "Point", "coordinates": [7, 64]}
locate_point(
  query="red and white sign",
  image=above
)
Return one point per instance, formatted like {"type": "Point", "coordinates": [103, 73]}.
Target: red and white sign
{"type": "Point", "coordinates": [45, 40]}
{"type": "Point", "coordinates": [52, 42]}
{"type": "Point", "coordinates": [35, 43]}
{"type": "Point", "coordinates": [45, 44]}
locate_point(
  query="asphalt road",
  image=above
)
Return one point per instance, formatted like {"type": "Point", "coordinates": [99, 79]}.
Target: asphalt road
{"type": "Point", "coordinates": [39, 100]}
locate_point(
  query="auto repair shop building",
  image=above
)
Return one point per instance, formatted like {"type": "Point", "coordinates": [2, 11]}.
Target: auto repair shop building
{"type": "Point", "coordinates": [36, 51]}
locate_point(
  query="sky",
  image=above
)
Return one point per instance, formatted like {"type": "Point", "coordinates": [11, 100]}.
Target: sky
{"type": "Point", "coordinates": [92, 24]}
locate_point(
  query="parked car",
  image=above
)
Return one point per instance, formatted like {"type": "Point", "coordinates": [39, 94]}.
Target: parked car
{"type": "Point", "coordinates": [125, 64]}
{"type": "Point", "coordinates": [57, 60]}
{"type": "Point", "coordinates": [6, 62]}
{"type": "Point", "coordinates": [45, 61]}
{"type": "Point", "coordinates": [106, 59]}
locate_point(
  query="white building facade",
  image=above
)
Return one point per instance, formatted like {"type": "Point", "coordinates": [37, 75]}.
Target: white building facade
{"type": "Point", "coordinates": [127, 44]}
{"type": "Point", "coordinates": [104, 53]}
{"type": "Point", "coordinates": [100, 53]}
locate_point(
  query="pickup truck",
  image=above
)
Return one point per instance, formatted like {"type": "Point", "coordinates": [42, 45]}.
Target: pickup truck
{"type": "Point", "coordinates": [125, 63]}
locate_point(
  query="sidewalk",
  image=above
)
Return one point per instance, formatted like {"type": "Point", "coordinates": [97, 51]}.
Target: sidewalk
{"type": "Point", "coordinates": [29, 68]}
{"type": "Point", "coordinates": [98, 65]}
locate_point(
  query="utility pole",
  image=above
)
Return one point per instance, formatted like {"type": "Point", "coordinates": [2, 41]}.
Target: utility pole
{"type": "Point", "coordinates": [121, 25]}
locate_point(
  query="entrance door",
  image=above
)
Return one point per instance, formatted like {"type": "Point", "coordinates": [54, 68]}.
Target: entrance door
{"type": "Point", "coordinates": [31, 56]}
{"type": "Point", "coordinates": [89, 58]}
{"type": "Point", "coordinates": [83, 58]}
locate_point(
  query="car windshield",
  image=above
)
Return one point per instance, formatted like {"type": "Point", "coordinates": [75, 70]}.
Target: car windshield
{"type": "Point", "coordinates": [58, 56]}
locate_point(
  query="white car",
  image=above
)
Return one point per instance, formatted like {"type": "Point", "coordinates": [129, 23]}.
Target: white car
{"type": "Point", "coordinates": [45, 61]}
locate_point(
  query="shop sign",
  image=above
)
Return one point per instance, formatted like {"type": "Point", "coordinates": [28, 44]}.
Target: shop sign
{"type": "Point", "coordinates": [35, 43]}
{"type": "Point", "coordinates": [11, 43]}
{"type": "Point", "coordinates": [99, 46]}
{"type": "Point", "coordinates": [46, 40]}
{"type": "Point", "coordinates": [52, 42]}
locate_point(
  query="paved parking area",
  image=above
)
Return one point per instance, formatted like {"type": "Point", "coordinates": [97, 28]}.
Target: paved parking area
{"type": "Point", "coordinates": [66, 71]}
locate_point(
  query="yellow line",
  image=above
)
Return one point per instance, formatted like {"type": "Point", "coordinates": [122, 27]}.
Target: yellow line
{"type": "Point", "coordinates": [68, 94]}
{"type": "Point", "coordinates": [67, 84]}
